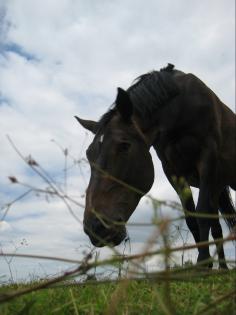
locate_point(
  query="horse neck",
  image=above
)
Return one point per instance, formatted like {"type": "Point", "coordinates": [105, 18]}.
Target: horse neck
{"type": "Point", "coordinates": [146, 128]}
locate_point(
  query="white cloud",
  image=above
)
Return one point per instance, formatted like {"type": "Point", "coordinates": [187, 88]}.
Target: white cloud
{"type": "Point", "coordinates": [4, 226]}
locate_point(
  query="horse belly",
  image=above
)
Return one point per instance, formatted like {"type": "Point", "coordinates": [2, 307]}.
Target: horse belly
{"type": "Point", "coordinates": [227, 170]}
{"type": "Point", "coordinates": [227, 151]}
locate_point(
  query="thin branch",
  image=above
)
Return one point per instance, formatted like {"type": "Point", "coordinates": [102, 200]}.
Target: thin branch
{"type": "Point", "coordinates": [54, 187]}
{"type": "Point", "coordinates": [80, 270]}
{"type": "Point", "coordinates": [8, 205]}
{"type": "Point", "coordinates": [216, 302]}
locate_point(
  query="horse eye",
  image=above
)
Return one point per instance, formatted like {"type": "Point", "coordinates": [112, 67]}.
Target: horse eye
{"type": "Point", "coordinates": [123, 147]}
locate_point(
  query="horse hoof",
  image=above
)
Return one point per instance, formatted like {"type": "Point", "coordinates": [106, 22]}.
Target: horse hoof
{"type": "Point", "coordinates": [205, 263]}
{"type": "Point", "coordinates": [223, 267]}
{"type": "Point", "coordinates": [204, 266]}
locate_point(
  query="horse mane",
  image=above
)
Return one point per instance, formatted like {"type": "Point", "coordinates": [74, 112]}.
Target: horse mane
{"type": "Point", "coordinates": [147, 93]}
{"type": "Point", "coordinates": [153, 90]}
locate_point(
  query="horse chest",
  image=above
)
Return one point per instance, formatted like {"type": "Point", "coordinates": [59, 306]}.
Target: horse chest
{"type": "Point", "coordinates": [179, 152]}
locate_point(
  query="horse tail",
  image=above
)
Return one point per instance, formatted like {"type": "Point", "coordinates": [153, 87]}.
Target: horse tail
{"type": "Point", "coordinates": [227, 208]}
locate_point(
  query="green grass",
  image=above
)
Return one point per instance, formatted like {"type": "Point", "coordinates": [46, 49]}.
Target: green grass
{"type": "Point", "coordinates": [187, 297]}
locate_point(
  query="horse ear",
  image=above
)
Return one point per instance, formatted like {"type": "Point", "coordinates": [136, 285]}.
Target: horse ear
{"type": "Point", "coordinates": [124, 104]}
{"type": "Point", "coordinates": [88, 124]}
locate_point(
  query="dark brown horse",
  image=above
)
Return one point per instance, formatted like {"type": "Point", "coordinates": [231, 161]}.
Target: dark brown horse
{"type": "Point", "coordinates": [193, 133]}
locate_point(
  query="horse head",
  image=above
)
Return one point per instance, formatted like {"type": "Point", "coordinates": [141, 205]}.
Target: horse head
{"type": "Point", "coordinates": [121, 172]}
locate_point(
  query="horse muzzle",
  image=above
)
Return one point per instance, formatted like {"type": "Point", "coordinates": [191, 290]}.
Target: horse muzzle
{"type": "Point", "coordinates": [102, 234]}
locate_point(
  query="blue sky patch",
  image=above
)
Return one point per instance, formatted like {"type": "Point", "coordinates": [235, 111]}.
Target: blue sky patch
{"type": "Point", "coordinates": [19, 50]}
{"type": "Point", "coordinates": [3, 99]}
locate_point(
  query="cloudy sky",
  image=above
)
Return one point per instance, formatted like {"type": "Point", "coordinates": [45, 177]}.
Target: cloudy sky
{"type": "Point", "coordinates": [60, 58]}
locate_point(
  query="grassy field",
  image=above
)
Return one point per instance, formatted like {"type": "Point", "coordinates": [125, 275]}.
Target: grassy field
{"type": "Point", "coordinates": [208, 294]}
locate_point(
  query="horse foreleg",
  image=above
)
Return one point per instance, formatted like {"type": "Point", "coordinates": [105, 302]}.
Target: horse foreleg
{"type": "Point", "coordinates": [183, 190]}
{"type": "Point", "coordinates": [191, 221]}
